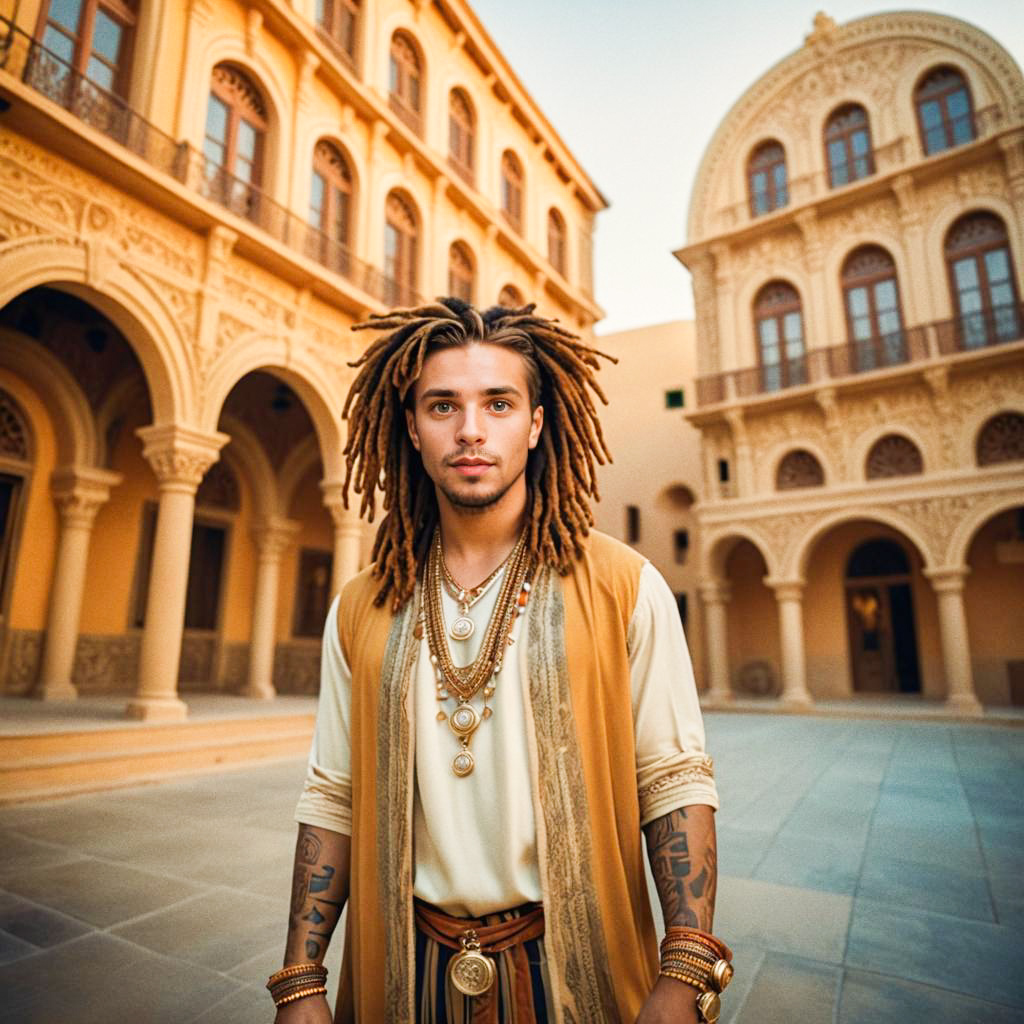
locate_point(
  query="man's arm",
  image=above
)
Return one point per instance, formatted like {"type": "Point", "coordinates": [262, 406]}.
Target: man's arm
{"type": "Point", "coordinates": [683, 853]}
{"type": "Point", "coordinates": [319, 892]}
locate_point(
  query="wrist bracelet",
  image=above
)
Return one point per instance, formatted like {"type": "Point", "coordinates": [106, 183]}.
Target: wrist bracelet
{"type": "Point", "coordinates": [296, 981]}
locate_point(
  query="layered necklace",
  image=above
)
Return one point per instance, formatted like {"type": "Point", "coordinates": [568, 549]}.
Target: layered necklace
{"type": "Point", "coordinates": [480, 676]}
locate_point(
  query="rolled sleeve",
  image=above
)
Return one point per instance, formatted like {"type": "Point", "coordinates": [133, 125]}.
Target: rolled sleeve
{"type": "Point", "coordinates": [326, 799]}
{"type": "Point", "coordinates": [672, 766]}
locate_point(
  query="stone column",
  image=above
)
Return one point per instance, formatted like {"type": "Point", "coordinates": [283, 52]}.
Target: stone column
{"type": "Point", "coordinates": [716, 599]}
{"type": "Point", "coordinates": [789, 595]}
{"type": "Point", "coordinates": [348, 534]}
{"type": "Point", "coordinates": [79, 493]}
{"type": "Point", "coordinates": [180, 458]}
{"type": "Point", "coordinates": [948, 585]}
{"type": "Point", "coordinates": [272, 536]}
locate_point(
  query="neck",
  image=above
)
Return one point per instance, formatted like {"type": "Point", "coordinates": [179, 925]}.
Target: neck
{"type": "Point", "coordinates": [477, 540]}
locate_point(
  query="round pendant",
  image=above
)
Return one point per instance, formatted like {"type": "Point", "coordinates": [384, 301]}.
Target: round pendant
{"type": "Point", "coordinates": [471, 973]}
{"type": "Point", "coordinates": [464, 721]}
{"type": "Point", "coordinates": [462, 628]}
{"type": "Point", "coordinates": [462, 765]}
{"type": "Point", "coordinates": [709, 1006]}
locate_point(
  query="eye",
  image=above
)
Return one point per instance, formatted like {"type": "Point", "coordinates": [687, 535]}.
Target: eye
{"type": "Point", "coordinates": [442, 407]}
{"type": "Point", "coordinates": [500, 405]}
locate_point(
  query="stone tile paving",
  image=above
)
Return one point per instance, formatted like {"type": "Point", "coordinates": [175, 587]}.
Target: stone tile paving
{"type": "Point", "coordinates": [871, 873]}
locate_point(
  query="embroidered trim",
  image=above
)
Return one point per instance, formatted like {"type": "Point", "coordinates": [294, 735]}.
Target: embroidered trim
{"type": "Point", "coordinates": [698, 773]}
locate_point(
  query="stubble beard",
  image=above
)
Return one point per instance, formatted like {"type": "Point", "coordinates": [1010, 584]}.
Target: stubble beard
{"type": "Point", "coordinates": [478, 503]}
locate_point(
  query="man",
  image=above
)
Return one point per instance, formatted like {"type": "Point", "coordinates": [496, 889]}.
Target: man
{"type": "Point", "coordinates": [506, 701]}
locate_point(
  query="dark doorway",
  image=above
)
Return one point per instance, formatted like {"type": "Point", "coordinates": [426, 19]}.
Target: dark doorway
{"type": "Point", "coordinates": [880, 615]}
{"type": "Point", "coordinates": [10, 486]}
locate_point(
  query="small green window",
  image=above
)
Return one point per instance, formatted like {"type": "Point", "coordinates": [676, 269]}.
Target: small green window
{"type": "Point", "coordinates": [675, 399]}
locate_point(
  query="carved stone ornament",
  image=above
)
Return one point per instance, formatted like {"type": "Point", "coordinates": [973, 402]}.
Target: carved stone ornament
{"type": "Point", "coordinates": [14, 432]}
{"type": "Point", "coordinates": [179, 455]}
{"type": "Point", "coordinates": [799, 469]}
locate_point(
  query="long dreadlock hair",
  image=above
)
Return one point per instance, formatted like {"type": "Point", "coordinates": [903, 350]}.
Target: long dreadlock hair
{"type": "Point", "coordinates": [561, 470]}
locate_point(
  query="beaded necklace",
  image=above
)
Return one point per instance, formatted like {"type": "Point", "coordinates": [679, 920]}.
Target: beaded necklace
{"type": "Point", "coordinates": [480, 676]}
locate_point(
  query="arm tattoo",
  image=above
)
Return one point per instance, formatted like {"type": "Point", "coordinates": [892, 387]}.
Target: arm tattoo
{"type": "Point", "coordinates": [683, 862]}
{"type": "Point", "coordinates": [318, 891]}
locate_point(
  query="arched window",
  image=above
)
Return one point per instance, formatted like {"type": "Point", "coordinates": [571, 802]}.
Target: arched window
{"type": "Point", "coordinates": [945, 112]}
{"type": "Point", "coordinates": [460, 271]}
{"type": "Point", "coordinates": [983, 281]}
{"type": "Point", "coordinates": [330, 207]}
{"type": "Point", "coordinates": [338, 20]}
{"type": "Point", "coordinates": [511, 297]}
{"type": "Point", "coordinates": [766, 178]}
{"type": "Point", "coordinates": [1001, 439]}
{"type": "Point", "coordinates": [556, 241]}
{"type": "Point", "coordinates": [512, 189]}
{"type": "Point", "coordinates": [92, 38]}
{"type": "Point", "coordinates": [848, 145]}
{"type": "Point", "coordinates": [236, 128]}
{"type": "Point", "coordinates": [893, 455]}
{"type": "Point", "coordinates": [461, 133]}
{"type": "Point", "coordinates": [405, 81]}
{"type": "Point", "coordinates": [779, 327]}
{"type": "Point", "coordinates": [874, 321]}
{"type": "Point", "coordinates": [400, 251]}
{"type": "Point", "coordinates": [799, 469]}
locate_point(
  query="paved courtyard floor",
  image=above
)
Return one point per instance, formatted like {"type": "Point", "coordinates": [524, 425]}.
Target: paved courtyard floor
{"type": "Point", "coordinates": [871, 872]}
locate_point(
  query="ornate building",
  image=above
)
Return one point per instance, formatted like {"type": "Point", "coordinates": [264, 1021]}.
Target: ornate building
{"type": "Point", "coordinates": [197, 199]}
{"type": "Point", "coordinates": [856, 240]}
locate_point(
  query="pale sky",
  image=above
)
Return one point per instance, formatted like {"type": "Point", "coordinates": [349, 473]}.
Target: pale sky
{"type": "Point", "coordinates": [637, 89]}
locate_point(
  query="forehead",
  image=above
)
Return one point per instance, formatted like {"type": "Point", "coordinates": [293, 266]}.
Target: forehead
{"type": "Point", "coordinates": [473, 367]}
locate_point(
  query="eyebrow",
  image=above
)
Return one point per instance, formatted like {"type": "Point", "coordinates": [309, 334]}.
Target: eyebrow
{"type": "Point", "coordinates": [503, 389]}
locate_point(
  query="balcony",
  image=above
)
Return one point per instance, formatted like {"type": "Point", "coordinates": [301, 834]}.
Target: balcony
{"type": "Point", "coordinates": [967, 333]}
{"type": "Point", "coordinates": [36, 67]}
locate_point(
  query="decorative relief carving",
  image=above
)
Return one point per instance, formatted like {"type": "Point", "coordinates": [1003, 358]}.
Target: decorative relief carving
{"type": "Point", "coordinates": [781, 247]}
{"type": "Point", "coordinates": [892, 456]}
{"type": "Point", "coordinates": [13, 227]}
{"type": "Point", "coordinates": [54, 206]}
{"type": "Point", "coordinates": [799, 469]}
{"type": "Point", "coordinates": [1001, 439]}
{"type": "Point", "coordinates": [21, 666]}
{"type": "Point", "coordinates": [198, 657]}
{"type": "Point", "coordinates": [106, 664]}
{"type": "Point", "coordinates": [14, 432]}
{"type": "Point", "coordinates": [297, 668]}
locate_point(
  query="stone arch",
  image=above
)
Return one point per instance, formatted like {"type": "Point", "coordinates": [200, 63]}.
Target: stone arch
{"type": "Point", "coordinates": [885, 447]}
{"type": "Point", "coordinates": [840, 251]}
{"type": "Point", "coordinates": [955, 555]}
{"type": "Point", "coordinates": [831, 103]}
{"type": "Point", "coordinates": [746, 295]}
{"type": "Point", "coordinates": [136, 310]}
{"type": "Point", "coordinates": [796, 559]}
{"type": "Point", "coordinates": [865, 441]}
{"type": "Point", "coordinates": [78, 443]}
{"type": "Point", "coordinates": [303, 373]}
{"type": "Point", "coordinates": [326, 130]}
{"type": "Point", "coordinates": [718, 547]}
{"type": "Point", "coordinates": [799, 468]}
{"type": "Point", "coordinates": [247, 453]}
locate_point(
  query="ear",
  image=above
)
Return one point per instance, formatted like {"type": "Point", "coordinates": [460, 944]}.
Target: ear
{"type": "Point", "coordinates": [536, 426]}
{"type": "Point", "coordinates": [410, 423]}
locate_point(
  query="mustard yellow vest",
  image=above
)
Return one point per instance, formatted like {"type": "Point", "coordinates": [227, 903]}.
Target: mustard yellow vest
{"type": "Point", "coordinates": [599, 938]}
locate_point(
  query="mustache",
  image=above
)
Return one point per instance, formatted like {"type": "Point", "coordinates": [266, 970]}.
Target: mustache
{"type": "Point", "coordinates": [471, 453]}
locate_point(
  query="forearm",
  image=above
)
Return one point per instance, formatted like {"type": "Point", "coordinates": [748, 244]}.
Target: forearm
{"type": "Point", "coordinates": [319, 892]}
{"type": "Point", "coordinates": [683, 853]}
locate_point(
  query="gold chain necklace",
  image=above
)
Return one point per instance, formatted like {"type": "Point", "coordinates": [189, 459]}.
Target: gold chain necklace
{"type": "Point", "coordinates": [463, 627]}
{"type": "Point", "coordinates": [480, 675]}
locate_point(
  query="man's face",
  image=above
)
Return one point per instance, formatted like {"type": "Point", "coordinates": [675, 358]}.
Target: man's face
{"type": "Point", "coordinates": [472, 423]}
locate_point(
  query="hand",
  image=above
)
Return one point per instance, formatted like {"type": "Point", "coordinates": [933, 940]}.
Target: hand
{"type": "Point", "coordinates": [310, 1010]}
{"type": "Point", "coordinates": [670, 1002]}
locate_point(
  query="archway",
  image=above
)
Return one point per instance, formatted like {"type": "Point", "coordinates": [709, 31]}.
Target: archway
{"type": "Point", "coordinates": [994, 604]}
{"type": "Point", "coordinates": [755, 656]}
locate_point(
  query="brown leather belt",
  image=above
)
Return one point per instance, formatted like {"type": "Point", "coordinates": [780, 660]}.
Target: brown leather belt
{"type": "Point", "coordinates": [493, 938]}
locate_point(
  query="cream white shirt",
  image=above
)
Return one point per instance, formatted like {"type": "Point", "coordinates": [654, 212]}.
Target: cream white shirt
{"type": "Point", "coordinates": [475, 838]}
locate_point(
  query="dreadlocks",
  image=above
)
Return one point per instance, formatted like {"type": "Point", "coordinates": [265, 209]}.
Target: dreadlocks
{"type": "Point", "coordinates": [561, 472]}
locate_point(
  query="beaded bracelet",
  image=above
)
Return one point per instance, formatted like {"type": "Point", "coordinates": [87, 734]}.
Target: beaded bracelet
{"type": "Point", "coordinates": [296, 981]}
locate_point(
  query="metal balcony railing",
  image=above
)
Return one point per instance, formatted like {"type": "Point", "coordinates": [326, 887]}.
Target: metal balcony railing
{"type": "Point", "coordinates": [970, 331]}
{"type": "Point", "coordinates": [27, 60]}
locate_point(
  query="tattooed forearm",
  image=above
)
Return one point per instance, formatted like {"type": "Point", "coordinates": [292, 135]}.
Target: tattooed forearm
{"type": "Point", "coordinates": [319, 892]}
{"type": "Point", "coordinates": [682, 851]}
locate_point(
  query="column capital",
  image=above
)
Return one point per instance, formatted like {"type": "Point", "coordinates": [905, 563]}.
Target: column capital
{"type": "Point", "coordinates": [80, 491]}
{"type": "Point", "coordinates": [787, 589]}
{"type": "Point", "coordinates": [715, 592]}
{"type": "Point", "coordinates": [346, 519]}
{"type": "Point", "coordinates": [180, 456]}
{"type": "Point", "coordinates": [273, 534]}
{"type": "Point", "coordinates": [947, 579]}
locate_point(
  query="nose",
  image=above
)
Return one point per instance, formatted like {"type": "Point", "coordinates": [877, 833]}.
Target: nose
{"type": "Point", "coordinates": [471, 432]}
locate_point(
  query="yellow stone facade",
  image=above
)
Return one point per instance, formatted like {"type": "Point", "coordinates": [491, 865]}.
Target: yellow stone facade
{"type": "Point", "coordinates": [860, 395]}
{"type": "Point", "coordinates": [175, 297]}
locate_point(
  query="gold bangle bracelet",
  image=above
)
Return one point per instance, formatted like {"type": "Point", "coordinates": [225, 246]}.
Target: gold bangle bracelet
{"type": "Point", "coordinates": [301, 994]}
{"type": "Point", "coordinates": [687, 979]}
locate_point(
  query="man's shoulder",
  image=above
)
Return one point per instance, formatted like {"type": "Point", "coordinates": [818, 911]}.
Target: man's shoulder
{"type": "Point", "coordinates": [611, 555]}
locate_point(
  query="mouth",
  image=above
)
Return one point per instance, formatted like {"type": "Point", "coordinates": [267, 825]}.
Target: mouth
{"type": "Point", "coordinates": [471, 467]}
